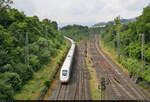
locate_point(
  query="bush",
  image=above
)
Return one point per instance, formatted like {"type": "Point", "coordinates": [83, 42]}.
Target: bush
{"type": "Point", "coordinates": [24, 71]}
{"type": "Point", "coordinates": [147, 54]}
{"type": "Point", "coordinates": [6, 68]}
{"type": "Point", "coordinates": [6, 91]}
{"type": "Point", "coordinates": [145, 84]}
{"type": "Point", "coordinates": [42, 44]}
{"type": "Point", "coordinates": [47, 83]}
{"type": "Point", "coordinates": [12, 79]}
{"type": "Point", "coordinates": [34, 62]}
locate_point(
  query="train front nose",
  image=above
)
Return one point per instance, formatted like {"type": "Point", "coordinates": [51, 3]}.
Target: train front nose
{"type": "Point", "coordinates": [64, 76]}
{"type": "Point", "coordinates": [64, 80]}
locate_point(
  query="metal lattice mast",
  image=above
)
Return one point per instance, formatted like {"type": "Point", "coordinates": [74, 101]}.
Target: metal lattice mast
{"type": "Point", "coordinates": [118, 44]}
{"type": "Point", "coordinates": [26, 49]}
{"type": "Point", "coordinates": [142, 52]}
{"type": "Point", "coordinates": [117, 22]}
{"type": "Point", "coordinates": [46, 36]}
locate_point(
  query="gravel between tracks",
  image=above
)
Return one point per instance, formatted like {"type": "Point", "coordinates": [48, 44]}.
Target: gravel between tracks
{"type": "Point", "coordinates": [78, 86]}
{"type": "Point", "coordinates": [118, 85]}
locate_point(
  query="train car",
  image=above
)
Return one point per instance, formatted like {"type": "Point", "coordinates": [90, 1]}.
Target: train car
{"type": "Point", "coordinates": [66, 67]}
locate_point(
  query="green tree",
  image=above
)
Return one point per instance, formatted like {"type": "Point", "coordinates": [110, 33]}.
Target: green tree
{"type": "Point", "coordinates": [6, 91]}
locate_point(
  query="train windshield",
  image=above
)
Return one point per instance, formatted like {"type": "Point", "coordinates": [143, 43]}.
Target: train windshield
{"type": "Point", "coordinates": [64, 72]}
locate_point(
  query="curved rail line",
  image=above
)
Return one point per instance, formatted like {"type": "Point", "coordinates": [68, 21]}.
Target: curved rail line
{"type": "Point", "coordinates": [119, 86]}
{"type": "Point", "coordinates": [78, 86]}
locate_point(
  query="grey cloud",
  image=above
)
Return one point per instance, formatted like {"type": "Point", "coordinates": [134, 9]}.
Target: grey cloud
{"type": "Point", "coordinates": [134, 5]}
{"type": "Point", "coordinates": [81, 10]}
{"type": "Point", "coordinates": [24, 5]}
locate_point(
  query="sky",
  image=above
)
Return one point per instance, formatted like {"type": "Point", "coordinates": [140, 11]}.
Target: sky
{"type": "Point", "coordinates": [84, 12]}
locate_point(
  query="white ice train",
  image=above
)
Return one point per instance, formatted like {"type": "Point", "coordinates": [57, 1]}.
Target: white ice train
{"type": "Point", "coordinates": [66, 67]}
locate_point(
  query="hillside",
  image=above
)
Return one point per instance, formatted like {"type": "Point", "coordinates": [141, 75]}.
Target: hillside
{"type": "Point", "coordinates": [76, 32]}
{"type": "Point", "coordinates": [123, 21]}
{"type": "Point", "coordinates": [128, 44]}
{"type": "Point", "coordinates": [26, 45]}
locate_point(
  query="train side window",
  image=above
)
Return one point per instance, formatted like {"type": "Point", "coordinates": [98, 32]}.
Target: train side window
{"type": "Point", "coordinates": [64, 72]}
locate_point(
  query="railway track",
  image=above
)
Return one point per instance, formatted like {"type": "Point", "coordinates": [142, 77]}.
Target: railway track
{"type": "Point", "coordinates": [78, 86]}
{"type": "Point", "coordinates": [119, 86]}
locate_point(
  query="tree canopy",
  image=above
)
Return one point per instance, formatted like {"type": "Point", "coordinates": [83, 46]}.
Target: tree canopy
{"type": "Point", "coordinates": [24, 39]}
{"type": "Point", "coordinates": [130, 42]}
{"type": "Point", "coordinates": [76, 32]}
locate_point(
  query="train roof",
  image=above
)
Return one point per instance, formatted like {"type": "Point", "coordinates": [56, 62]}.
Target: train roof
{"type": "Point", "coordinates": [67, 62]}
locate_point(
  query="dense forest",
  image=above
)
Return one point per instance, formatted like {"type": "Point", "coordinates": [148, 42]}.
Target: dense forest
{"type": "Point", "coordinates": [130, 44]}
{"type": "Point", "coordinates": [26, 44]}
{"type": "Point", "coordinates": [76, 32]}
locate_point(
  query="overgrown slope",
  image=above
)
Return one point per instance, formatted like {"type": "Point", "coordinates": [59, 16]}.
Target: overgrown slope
{"type": "Point", "coordinates": [76, 32]}
{"type": "Point", "coordinates": [131, 45]}
{"type": "Point", "coordinates": [26, 44]}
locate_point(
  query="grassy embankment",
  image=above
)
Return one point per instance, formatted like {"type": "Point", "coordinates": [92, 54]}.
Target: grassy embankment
{"type": "Point", "coordinates": [42, 79]}
{"type": "Point", "coordinates": [95, 92]}
{"type": "Point", "coordinates": [112, 54]}
{"type": "Point", "coordinates": [109, 51]}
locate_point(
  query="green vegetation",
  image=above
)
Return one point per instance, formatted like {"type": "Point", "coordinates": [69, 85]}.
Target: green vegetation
{"type": "Point", "coordinates": [37, 87]}
{"type": "Point", "coordinates": [130, 45]}
{"type": "Point", "coordinates": [94, 84]}
{"type": "Point", "coordinates": [76, 32]}
{"type": "Point", "coordinates": [26, 45]}
{"type": "Point", "coordinates": [130, 37]}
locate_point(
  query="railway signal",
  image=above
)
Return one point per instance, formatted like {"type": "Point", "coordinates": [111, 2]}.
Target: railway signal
{"type": "Point", "coordinates": [103, 87]}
